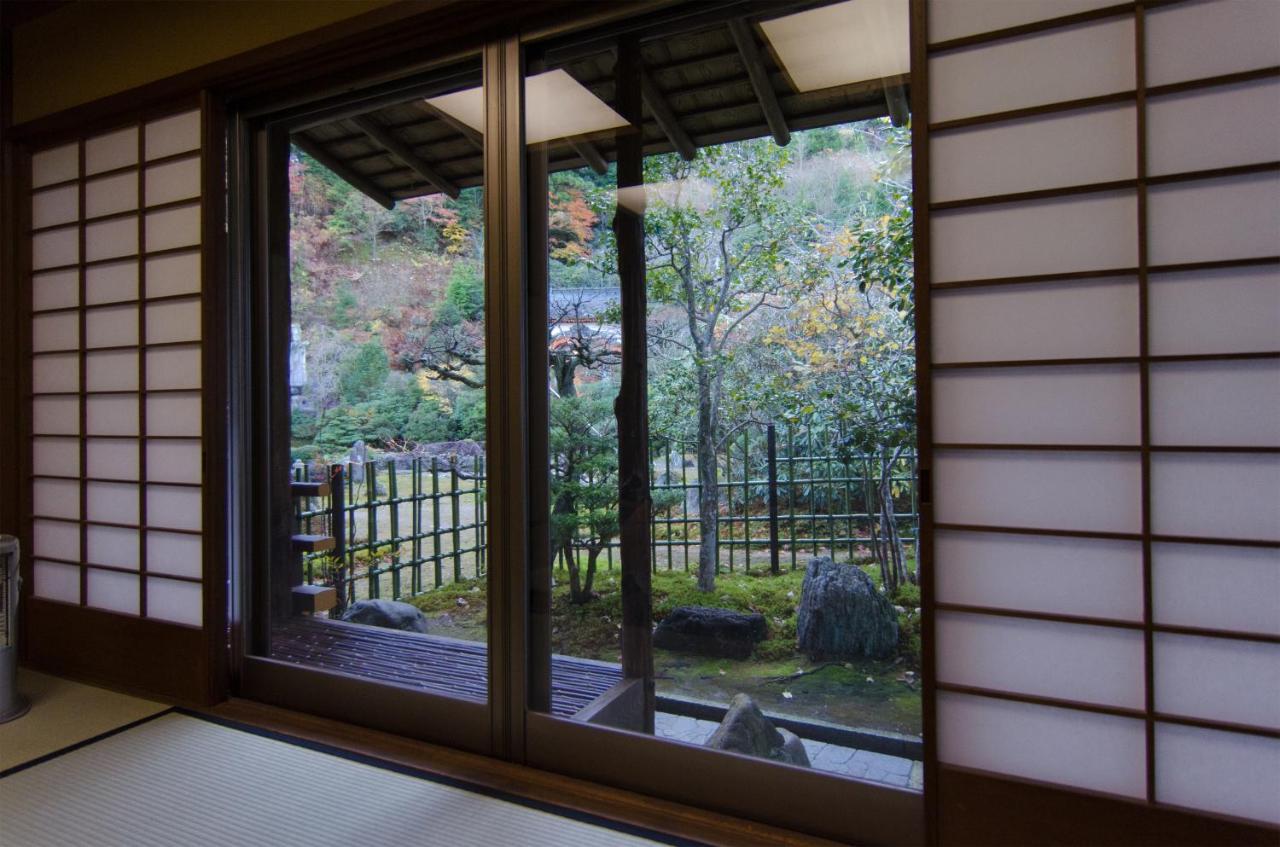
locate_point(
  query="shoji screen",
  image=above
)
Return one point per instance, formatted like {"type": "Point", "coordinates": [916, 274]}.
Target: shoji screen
{"type": "Point", "coordinates": [1104, 233]}
{"type": "Point", "coordinates": [115, 373]}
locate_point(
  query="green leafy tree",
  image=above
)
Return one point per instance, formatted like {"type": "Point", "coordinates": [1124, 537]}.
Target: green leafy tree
{"type": "Point", "coordinates": [584, 485]}
{"type": "Point", "coordinates": [715, 233]}
{"type": "Point", "coordinates": [363, 372]}
{"type": "Point", "coordinates": [429, 422]}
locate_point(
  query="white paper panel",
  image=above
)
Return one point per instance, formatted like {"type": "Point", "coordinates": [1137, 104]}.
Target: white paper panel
{"type": "Point", "coordinates": [55, 206]}
{"type": "Point", "coordinates": [55, 372]}
{"type": "Point", "coordinates": [1235, 588]}
{"type": "Point", "coordinates": [55, 416]}
{"type": "Point", "coordinates": [112, 150]}
{"type": "Point", "coordinates": [1216, 495]}
{"type": "Point", "coordinates": [1038, 320]}
{"type": "Point", "coordinates": [1075, 148]}
{"type": "Point", "coordinates": [1068, 661]}
{"type": "Point", "coordinates": [55, 498]}
{"type": "Point", "coordinates": [1207, 220]}
{"type": "Point", "coordinates": [1055, 405]}
{"type": "Point", "coordinates": [1204, 39]}
{"type": "Point", "coordinates": [172, 135]}
{"type": "Point", "coordinates": [1084, 233]}
{"type": "Point", "coordinates": [111, 283]}
{"type": "Point", "coordinates": [175, 554]}
{"type": "Point", "coordinates": [111, 414]}
{"type": "Point", "coordinates": [55, 248]}
{"type": "Point", "coordinates": [56, 540]}
{"type": "Point", "coordinates": [173, 228]}
{"type": "Point", "coordinates": [111, 239]}
{"type": "Point", "coordinates": [1069, 576]}
{"type": "Point", "coordinates": [1223, 772]}
{"type": "Point", "coordinates": [1218, 679]}
{"type": "Point", "coordinates": [55, 456]}
{"type": "Point", "coordinates": [1216, 403]}
{"type": "Point", "coordinates": [171, 507]}
{"type": "Point", "coordinates": [56, 290]}
{"type": "Point", "coordinates": [55, 332]}
{"type": "Point", "coordinates": [173, 414]}
{"type": "Point", "coordinates": [110, 194]}
{"type": "Point", "coordinates": [1214, 128]}
{"type": "Point", "coordinates": [168, 275]}
{"type": "Point", "coordinates": [173, 181]}
{"type": "Point", "coordinates": [173, 367]}
{"type": "Point", "coordinates": [113, 545]}
{"type": "Point", "coordinates": [174, 461]}
{"type": "Point", "coordinates": [112, 502]}
{"type": "Point", "coordinates": [58, 164]}
{"type": "Point", "coordinates": [1066, 64]}
{"type": "Point", "coordinates": [57, 582]}
{"type": "Point", "coordinates": [111, 326]}
{"type": "Point", "coordinates": [955, 18]}
{"type": "Point", "coordinates": [170, 600]}
{"type": "Point", "coordinates": [1234, 310]}
{"type": "Point", "coordinates": [1088, 491]}
{"type": "Point", "coordinates": [173, 321]}
{"type": "Point", "coordinates": [112, 458]}
{"type": "Point", "coordinates": [1097, 752]}
{"type": "Point", "coordinates": [112, 370]}
{"type": "Point", "coordinates": [113, 592]}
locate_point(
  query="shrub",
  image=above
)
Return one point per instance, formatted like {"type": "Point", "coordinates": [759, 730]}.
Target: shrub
{"type": "Point", "coordinates": [465, 292]}
{"type": "Point", "coordinates": [428, 423]}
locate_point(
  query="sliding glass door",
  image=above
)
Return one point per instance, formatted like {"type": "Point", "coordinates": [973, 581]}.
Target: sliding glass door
{"type": "Point", "coordinates": [369, 593]}
{"type": "Point", "coordinates": [723, 581]}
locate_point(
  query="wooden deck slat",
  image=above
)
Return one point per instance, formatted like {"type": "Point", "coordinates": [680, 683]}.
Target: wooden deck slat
{"type": "Point", "coordinates": [446, 666]}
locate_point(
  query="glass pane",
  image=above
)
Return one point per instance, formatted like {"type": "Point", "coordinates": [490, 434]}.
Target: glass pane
{"type": "Point", "coordinates": [758, 189]}
{"type": "Point", "coordinates": [387, 397]}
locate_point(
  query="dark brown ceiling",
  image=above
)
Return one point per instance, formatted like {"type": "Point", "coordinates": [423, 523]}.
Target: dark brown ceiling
{"type": "Point", "coordinates": [700, 87]}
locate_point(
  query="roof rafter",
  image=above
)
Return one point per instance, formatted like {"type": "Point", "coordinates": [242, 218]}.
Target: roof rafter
{"type": "Point", "coordinates": [404, 153]}
{"type": "Point", "coordinates": [359, 181]}
{"type": "Point", "coordinates": [590, 155]}
{"type": "Point", "coordinates": [745, 39]}
{"type": "Point", "coordinates": [666, 118]}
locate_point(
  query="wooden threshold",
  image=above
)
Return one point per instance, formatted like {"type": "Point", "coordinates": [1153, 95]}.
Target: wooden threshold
{"type": "Point", "coordinates": [572, 794]}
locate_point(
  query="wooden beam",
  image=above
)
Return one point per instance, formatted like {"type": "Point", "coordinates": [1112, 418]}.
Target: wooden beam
{"type": "Point", "coordinates": [632, 405]}
{"type": "Point", "coordinates": [470, 133]}
{"type": "Point", "coordinates": [666, 118]}
{"type": "Point", "coordinates": [402, 151]}
{"type": "Point", "coordinates": [590, 155]}
{"type": "Point", "coordinates": [745, 38]}
{"type": "Point", "coordinates": [357, 180]}
{"type": "Point", "coordinates": [895, 97]}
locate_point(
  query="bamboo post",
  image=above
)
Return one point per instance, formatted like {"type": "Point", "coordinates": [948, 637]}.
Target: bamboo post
{"type": "Point", "coordinates": [771, 436]}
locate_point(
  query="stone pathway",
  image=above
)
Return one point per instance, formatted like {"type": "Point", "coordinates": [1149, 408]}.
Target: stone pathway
{"type": "Point", "coordinates": [860, 764]}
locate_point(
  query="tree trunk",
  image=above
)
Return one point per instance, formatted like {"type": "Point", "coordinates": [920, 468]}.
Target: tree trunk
{"type": "Point", "coordinates": [588, 584]}
{"type": "Point", "coordinates": [708, 483]}
{"type": "Point", "coordinates": [564, 368]}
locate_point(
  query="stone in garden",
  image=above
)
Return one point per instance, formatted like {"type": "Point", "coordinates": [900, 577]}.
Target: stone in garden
{"type": "Point", "coordinates": [710, 632]}
{"type": "Point", "coordinates": [746, 730]}
{"type": "Point", "coordinates": [842, 615]}
{"type": "Point", "coordinates": [389, 614]}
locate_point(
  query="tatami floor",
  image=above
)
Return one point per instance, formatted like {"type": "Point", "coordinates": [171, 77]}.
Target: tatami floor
{"type": "Point", "coordinates": [90, 766]}
{"type": "Point", "coordinates": [65, 713]}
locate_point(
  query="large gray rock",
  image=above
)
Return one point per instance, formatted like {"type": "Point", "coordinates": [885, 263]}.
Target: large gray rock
{"type": "Point", "coordinates": [710, 631]}
{"type": "Point", "coordinates": [842, 615]}
{"type": "Point", "coordinates": [389, 614]}
{"type": "Point", "coordinates": [746, 730]}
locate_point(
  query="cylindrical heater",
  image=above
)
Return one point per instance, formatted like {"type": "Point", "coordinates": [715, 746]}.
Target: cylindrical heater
{"type": "Point", "coordinates": [11, 705]}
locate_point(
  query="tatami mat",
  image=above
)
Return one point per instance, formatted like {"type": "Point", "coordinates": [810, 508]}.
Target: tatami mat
{"type": "Point", "coordinates": [183, 780]}
{"type": "Point", "coordinates": [64, 713]}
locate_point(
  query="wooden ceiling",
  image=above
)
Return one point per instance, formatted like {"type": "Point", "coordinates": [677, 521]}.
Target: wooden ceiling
{"type": "Point", "coordinates": [709, 85]}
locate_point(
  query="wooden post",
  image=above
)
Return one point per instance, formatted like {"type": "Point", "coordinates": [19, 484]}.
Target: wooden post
{"type": "Point", "coordinates": [632, 406]}
{"type": "Point", "coordinates": [772, 436]}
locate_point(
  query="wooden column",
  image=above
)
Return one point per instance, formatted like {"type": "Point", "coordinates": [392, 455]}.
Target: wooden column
{"type": "Point", "coordinates": [539, 657]}
{"type": "Point", "coordinates": [632, 404]}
